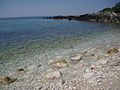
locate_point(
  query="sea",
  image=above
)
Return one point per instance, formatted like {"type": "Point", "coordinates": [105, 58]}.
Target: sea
{"type": "Point", "coordinates": [24, 41]}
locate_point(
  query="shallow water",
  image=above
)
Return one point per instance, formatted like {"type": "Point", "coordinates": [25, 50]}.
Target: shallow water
{"type": "Point", "coordinates": [22, 40]}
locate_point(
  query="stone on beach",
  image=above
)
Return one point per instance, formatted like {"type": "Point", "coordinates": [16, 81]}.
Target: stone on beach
{"type": "Point", "coordinates": [94, 67]}
{"type": "Point", "coordinates": [112, 51]}
{"type": "Point", "coordinates": [4, 80]}
{"type": "Point", "coordinates": [59, 63]}
{"type": "Point", "coordinates": [76, 58]}
{"type": "Point", "coordinates": [103, 61]}
{"type": "Point", "coordinates": [88, 75]}
{"type": "Point", "coordinates": [52, 76]}
{"type": "Point", "coordinates": [96, 55]}
{"type": "Point", "coordinates": [115, 62]}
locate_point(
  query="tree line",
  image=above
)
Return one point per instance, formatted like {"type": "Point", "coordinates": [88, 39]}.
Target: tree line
{"type": "Point", "coordinates": [115, 8]}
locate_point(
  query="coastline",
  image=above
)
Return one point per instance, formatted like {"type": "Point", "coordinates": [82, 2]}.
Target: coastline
{"type": "Point", "coordinates": [96, 69]}
{"type": "Point", "coordinates": [106, 17]}
{"type": "Point", "coordinates": [76, 52]}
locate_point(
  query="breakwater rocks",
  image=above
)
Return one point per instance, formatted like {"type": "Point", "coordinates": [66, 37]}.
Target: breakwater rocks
{"type": "Point", "coordinates": [106, 16]}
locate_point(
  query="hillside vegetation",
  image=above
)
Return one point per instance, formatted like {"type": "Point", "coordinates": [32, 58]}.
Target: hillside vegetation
{"type": "Point", "coordinates": [115, 8]}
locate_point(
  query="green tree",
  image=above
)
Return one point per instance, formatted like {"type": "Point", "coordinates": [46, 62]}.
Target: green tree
{"type": "Point", "coordinates": [116, 8]}
{"type": "Point", "coordinates": [106, 9]}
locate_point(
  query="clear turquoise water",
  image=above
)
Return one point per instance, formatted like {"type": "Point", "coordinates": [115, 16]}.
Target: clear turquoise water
{"type": "Point", "coordinates": [28, 37]}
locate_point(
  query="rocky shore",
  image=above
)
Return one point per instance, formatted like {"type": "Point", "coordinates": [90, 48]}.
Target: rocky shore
{"type": "Point", "coordinates": [96, 67]}
{"type": "Point", "coordinates": [107, 16]}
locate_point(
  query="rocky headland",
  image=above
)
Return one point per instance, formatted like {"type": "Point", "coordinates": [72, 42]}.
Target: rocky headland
{"type": "Point", "coordinates": [109, 15]}
{"type": "Point", "coordinates": [94, 65]}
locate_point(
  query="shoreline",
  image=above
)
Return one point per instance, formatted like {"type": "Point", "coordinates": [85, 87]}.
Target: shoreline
{"type": "Point", "coordinates": [39, 53]}
{"type": "Point", "coordinates": [106, 17]}
{"type": "Point", "coordinates": [78, 74]}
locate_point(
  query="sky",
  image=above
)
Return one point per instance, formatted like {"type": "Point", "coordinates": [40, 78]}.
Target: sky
{"type": "Point", "coordinates": [23, 8]}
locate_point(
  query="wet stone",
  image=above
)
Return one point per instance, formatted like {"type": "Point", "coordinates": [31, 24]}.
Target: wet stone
{"type": "Point", "coordinates": [19, 70]}
{"type": "Point", "coordinates": [76, 58]}
{"type": "Point", "coordinates": [6, 80]}
{"type": "Point", "coordinates": [59, 63]}
{"type": "Point", "coordinates": [112, 51]}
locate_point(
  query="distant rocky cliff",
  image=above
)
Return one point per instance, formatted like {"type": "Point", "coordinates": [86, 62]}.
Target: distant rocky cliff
{"type": "Point", "coordinates": [101, 17]}
{"type": "Point", "coordinates": [106, 16]}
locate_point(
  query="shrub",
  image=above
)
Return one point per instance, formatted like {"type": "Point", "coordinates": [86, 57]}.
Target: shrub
{"type": "Point", "coordinates": [106, 9]}
{"type": "Point", "coordinates": [116, 8]}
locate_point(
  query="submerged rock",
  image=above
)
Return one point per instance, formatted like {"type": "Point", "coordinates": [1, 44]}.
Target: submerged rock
{"type": "Point", "coordinates": [32, 67]}
{"type": "Point", "coordinates": [92, 55]}
{"type": "Point", "coordinates": [112, 50]}
{"type": "Point", "coordinates": [76, 58]}
{"type": "Point", "coordinates": [4, 80]}
{"type": "Point", "coordinates": [52, 76]}
{"type": "Point", "coordinates": [19, 70]}
{"type": "Point", "coordinates": [59, 63]}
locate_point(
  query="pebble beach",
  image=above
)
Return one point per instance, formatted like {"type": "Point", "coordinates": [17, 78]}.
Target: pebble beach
{"type": "Point", "coordinates": [93, 65]}
{"type": "Point", "coordinates": [59, 45]}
